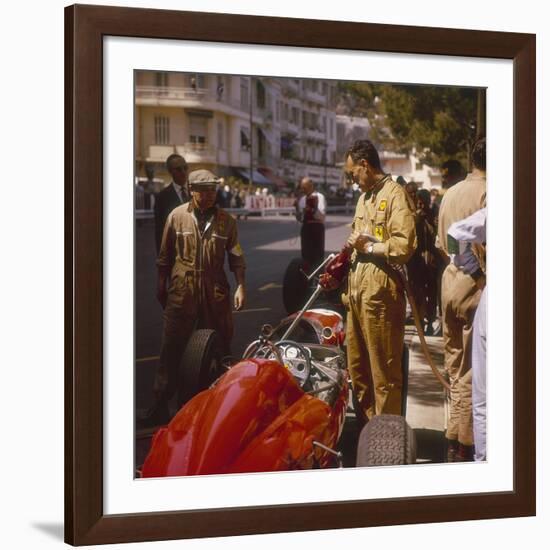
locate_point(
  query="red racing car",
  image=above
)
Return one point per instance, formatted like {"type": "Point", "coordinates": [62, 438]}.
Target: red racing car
{"type": "Point", "coordinates": [281, 407]}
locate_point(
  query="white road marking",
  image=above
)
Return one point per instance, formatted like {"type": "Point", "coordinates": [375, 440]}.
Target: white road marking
{"type": "Point", "coordinates": [253, 310]}
{"type": "Point", "coordinates": [269, 286]}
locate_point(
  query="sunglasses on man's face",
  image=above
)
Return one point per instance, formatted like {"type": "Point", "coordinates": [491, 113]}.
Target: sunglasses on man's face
{"type": "Point", "coordinates": [180, 168]}
{"type": "Point", "coordinates": [351, 177]}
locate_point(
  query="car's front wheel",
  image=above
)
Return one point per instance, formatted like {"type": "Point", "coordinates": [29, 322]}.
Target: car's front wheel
{"type": "Point", "coordinates": [200, 365]}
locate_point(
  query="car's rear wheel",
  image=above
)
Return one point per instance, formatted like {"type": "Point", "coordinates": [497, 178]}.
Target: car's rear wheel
{"type": "Point", "coordinates": [386, 440]}
{"type": "Point", "coordinates": [295, 286]}
{"type": "Point", "coordinates": [200, 365]}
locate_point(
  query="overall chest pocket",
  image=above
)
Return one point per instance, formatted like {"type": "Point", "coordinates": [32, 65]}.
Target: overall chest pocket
{"type": "Point", "coordinates": [186, 245]}
{"type": "Point", "coordinates": [217, 244]}
{"type": "Point", "coordinates": [359, 223]}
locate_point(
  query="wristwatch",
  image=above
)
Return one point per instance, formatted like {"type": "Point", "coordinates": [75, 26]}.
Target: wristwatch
{"type": "Point", "coordinates": [369, 248]}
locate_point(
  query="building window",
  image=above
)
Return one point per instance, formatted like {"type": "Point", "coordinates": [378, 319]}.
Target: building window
{"type": "Point", "coordinates": [325, 88]}
{"type": "Point", "coordinates": [196, 81]}
{"type": "Point", "coordinates": [220, 135]}
{"type": "Point", "coordinates": [220, 88]}
{"type": "Point", "coordinates": [198, 129]}
{"type": "Point", "coordinates": [244, 94]}
{"type": "Point", "coordinates": [162, 130]}
{"type": "Point", "coordinates": [260, 95]}
{"type": "Point", "coordinates": [331, 128]}
{"type": "Point", "coordinates": [161, 80]}
{"type": "Point", "coordinates": [245, 138]}
{"type": "Point", "coordinates": [305, 117]}
{"type": "Point", "coordinates": [295, 116]}
{"type": "Point", "coordinates": [332, 96]}
{"type": "Point", "coordinates": [314, 121]}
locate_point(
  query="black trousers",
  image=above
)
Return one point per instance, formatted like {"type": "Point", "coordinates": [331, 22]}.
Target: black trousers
{"type": "Point", "coordinates": [312, 238]}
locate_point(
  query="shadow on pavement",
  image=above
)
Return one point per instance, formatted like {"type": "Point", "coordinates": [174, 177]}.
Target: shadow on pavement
{"type": "Point", "coordinates": [348, 441]}
{"type": "Point", "coordinates": [427, 391]}
{"type": "Point", "coordinates": [430, 445]}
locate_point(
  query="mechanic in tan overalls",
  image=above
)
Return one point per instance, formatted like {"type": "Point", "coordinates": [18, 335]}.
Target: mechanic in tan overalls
{"type": "Point", "coordinates": [376, 298]}
{"type": "Point", "coordinates": [192, 285]}
{"type": "Point", "coordinates": [460, 294]}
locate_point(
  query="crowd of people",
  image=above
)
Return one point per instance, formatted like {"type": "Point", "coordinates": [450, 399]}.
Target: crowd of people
{"type": "Point", "coordinates": [396, 224]}
{"type": "Point", "coordinates": [450, 283]}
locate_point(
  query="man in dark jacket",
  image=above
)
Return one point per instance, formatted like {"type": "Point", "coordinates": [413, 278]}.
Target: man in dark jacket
{"type": "Point", "coordinates": [171, 196]}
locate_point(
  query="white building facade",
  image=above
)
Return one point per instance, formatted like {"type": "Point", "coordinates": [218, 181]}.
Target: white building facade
{"type": "Point", "coordinates": [284, 129]}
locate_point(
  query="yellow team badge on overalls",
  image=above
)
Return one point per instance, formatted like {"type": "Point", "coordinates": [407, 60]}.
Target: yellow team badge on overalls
{"type": "Point", "coordinates": [382, 205]}
{"type": "Point", "coordinates": [379, 232]}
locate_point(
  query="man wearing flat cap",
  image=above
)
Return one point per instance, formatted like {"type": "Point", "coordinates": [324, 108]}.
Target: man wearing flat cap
{"type": "Point", "coordinates": [192, 286]}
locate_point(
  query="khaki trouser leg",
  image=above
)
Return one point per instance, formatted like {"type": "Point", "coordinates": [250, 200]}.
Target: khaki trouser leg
{"type": "Point", "coordinates": [385, 330]}
{"type": "Point", "coordinates": [460, 296]}
{"type": "Point", "coordinates": [466, 421]}
{"type": "Point", "coordinates": [452, 341]}
{"type": "Point", "coordinates": [178, 326]}
{"type": "Point", "coordinates": [358, 364]}
{"type": "Point", "coordinates": [374, 339]}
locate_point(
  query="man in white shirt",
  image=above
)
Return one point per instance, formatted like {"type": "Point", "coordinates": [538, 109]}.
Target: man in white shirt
{"type": "Point", "coordinates": [311, 211]}
{"type": "Point", "coordinates": [460, 237]}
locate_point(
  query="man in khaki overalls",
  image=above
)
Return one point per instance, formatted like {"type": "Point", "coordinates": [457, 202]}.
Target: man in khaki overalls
{"type": "Point", "coordinates": [192, 287]}
{"type": "Point", "coordinates": [460, 294]}
{"type": "Point", "coordinates": [375, 297]}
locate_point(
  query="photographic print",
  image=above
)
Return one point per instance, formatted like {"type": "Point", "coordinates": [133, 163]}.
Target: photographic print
{"type": "Point", "coordinates": [309, 259]}
{"type": "Point", "coordinates": [274, 286]}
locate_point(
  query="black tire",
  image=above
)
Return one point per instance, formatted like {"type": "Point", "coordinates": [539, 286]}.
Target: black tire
{"type": "Point", "coordinates": [296, 288]}
{"type": "Point", "coordinates": [200, 364]}
{"type": "Point", "coordinates": [386, 440]}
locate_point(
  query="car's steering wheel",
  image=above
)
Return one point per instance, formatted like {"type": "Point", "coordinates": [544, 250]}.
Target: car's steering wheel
{"type": "Point", "coordinates": [263, 349]}
{"type": "Point", "coordinates": [290, 354]}
{"type": "Point", "coordinates": [296, 359]}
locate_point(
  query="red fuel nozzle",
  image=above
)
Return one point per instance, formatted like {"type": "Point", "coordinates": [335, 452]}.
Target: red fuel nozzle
{"type": "Point", "coordinates": [336, 270]}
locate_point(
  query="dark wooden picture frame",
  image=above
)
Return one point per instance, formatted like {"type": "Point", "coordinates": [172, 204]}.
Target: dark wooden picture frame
{"type": "Point", "coordinates": [85, 27]}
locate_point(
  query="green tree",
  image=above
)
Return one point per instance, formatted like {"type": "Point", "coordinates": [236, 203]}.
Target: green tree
{"type": "Point", "coordinates": [440, 122]}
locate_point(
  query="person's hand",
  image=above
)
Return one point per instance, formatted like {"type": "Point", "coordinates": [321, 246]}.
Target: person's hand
{"type": "Point", "coordinates": [240, 297]}
{"type": "Point", "coordinates": [359, 241]}
{"type": "Point", "coordinates": [328, 282]}
{"type": "Point", "coordinates": [481, 281]}
{"type": "Point", "coordinates": [351, 240]}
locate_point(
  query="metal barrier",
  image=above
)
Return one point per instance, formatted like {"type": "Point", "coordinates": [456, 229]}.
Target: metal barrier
{"type": "Point", "coordinates": [142, 214]}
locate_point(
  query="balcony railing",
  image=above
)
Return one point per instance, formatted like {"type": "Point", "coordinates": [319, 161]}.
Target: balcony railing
{"type": "Point", "coordinates": [197, 152]}
{"type": "Point", "coordinates": [170, 92]}
{"type": "Point", "coordinates": [315, 133]}
{"type": "Point", "coordinates": [199, 95]}
{"type": "Point", "coordinates": [193, 152]}
{"type": "Point", "coordinates": [316, 97]}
